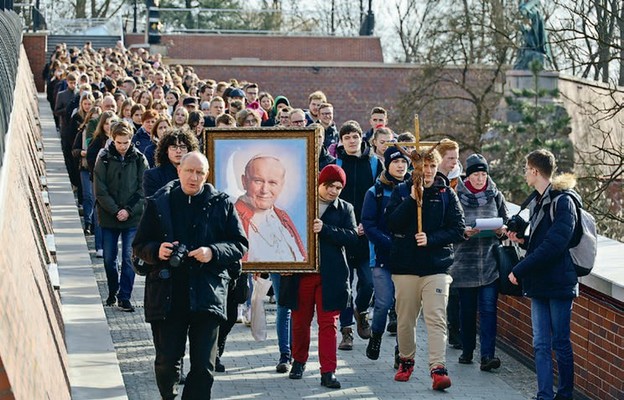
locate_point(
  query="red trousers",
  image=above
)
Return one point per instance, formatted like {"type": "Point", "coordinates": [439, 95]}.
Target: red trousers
{"type": "Point", "coordinates": [310, 294]}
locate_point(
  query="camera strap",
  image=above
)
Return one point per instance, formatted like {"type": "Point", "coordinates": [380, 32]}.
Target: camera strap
{"type": "Point", "coordinates": [528, 201]}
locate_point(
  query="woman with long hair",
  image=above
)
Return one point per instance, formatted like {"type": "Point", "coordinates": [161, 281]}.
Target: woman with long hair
{"type": "Point", "coordinates": [180, 117]}
{"type": "Point", "coordinates": [160, 128]}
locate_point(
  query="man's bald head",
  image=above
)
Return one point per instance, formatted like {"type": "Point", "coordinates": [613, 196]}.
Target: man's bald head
{"type": "Point", "coordinates": [193, 171]}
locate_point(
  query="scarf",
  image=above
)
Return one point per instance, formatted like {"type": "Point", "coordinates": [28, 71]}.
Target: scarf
{"type": "Point", "coordinates": [481, 198]}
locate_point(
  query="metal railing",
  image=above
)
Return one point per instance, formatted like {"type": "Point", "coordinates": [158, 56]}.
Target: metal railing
{"type": "Point", "coordinates": [10, 42]}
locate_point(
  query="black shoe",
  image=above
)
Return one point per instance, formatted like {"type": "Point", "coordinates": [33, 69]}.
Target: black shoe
{"type": "Point", "coordinates": [284, 364]}
{"type": "Point", "coordinates": [397, 357]}
{"type": "Point", "coordinates": [111, 300]}
{"type": "Point", "coordinates": [392, 322]}
{"type": "Point", "coordinates": [363, 327]}
{"type": "Point", "coordinates": [374, 344]}
{"type": "Point", "coordinates": [218, 366]}
{"type": "Point", "coordinates": [125, 305]}
{"type": "Point", "coordinates": [88, 230]}
{"type": "Point", "coordinates": [562, 397]}
{"type": "Point", "coordinates": [454, 339]}
{"type": "Point", "coordinates": [465, 358]}
{"type": "Point", "coordinates": [296, 372]}
{"type": "Point", "coordinates": [488, 364]}
{"type": "Point", "coordinates": [328, 379]}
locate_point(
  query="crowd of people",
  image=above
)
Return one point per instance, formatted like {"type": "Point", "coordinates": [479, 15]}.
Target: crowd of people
{"type": "Point", "coordinates": [401, 220]}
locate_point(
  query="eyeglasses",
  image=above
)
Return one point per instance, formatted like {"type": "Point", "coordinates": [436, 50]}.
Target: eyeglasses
{"type": "Point", "coordinates": [300, 122]}
{"type": "Point", "coordinates": [327, 114]}
{"type": "Point", "coordinates": [181, 147]}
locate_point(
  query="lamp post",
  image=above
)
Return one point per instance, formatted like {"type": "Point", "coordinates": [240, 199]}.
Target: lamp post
{"type": "Point", "coordinates": [134, 24]}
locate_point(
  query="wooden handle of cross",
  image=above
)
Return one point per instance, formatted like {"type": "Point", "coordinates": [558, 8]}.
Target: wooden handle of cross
{"type": "Point", "coordinates": [418, 170]}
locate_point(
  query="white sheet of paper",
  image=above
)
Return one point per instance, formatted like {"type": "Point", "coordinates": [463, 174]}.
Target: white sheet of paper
{"type": "Point", "coordinates": [488, 224]}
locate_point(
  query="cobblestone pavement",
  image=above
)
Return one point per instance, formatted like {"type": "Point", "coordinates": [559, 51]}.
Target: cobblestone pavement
{"type": "Point", "coordinates": [250, 366]}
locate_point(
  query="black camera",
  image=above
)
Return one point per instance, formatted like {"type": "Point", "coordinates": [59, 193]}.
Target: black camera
{"type": "Point", "coordinates": [518, 225]}
{"type": "Point", "coordinates": [178, 255]}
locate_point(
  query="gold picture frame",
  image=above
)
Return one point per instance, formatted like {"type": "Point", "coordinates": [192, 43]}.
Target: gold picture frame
{"type": "Point", "coordinates": [245, 163]}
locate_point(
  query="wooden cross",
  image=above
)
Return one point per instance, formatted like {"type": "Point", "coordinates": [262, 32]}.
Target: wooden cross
{"type": "Point", "coordinates": [418, 159]}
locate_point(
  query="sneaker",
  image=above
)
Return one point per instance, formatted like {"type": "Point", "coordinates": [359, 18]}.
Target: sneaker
{"type": "Point", "coordinates": [247, 317]}
{"type": "Point", "coordinates": [99, 253]}
{"type": "Point", "coordinates": [328, 379]}
{"type": "Point", "coordinates": [488, 364]}
{"type": "Point", "coordinates": [240, 318]}
{"type": "Point", "coordinates": [111, 300]}
{"type": "Point", "coordinates": [347, 339]}
{"type": "Point", "coordinates": [296, 372]}
{"type": "Point", "coordinates": [218, 366]}
{"type": "Point", "coordinates": [363, 327]}
{"type": "Point", "coordinates": [125, 305]}
{"type": "Point", "coordinates": [440, 378]}
{"type": "Point", "coordinates": [466, 358]}
{"type": "Point", "coordinates": [392, 322]}
{"type": "Point", "coordinates": [406, 367]}
{"type": "Point", "coordinates": [284, 364]}
{"type": "Point", "coordinates": [374, 345]}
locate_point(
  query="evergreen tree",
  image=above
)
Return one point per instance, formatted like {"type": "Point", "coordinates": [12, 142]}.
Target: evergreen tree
{"type": "Point", "coordinates": [533, 120]}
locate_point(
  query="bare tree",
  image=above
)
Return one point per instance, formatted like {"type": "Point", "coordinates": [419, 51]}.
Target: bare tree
{"type": "Point", "coordinates": [465, 47]}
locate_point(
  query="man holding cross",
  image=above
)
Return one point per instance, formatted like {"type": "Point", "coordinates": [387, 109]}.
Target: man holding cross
{"type": "Point", "coordinates": [424, 224]}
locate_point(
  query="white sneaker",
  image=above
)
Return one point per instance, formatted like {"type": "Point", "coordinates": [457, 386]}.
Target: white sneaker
{"type": "Point", "coordinates": [99, 253]}
{"type": "Point", "coordinates": [248, 317]}
{"type": "Point", "coordinates": [241, 310]}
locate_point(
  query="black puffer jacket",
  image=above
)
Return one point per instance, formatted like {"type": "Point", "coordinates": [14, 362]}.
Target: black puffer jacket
{"type": "Point", "coordinates": [217, 226]}
{"type": "Point", "coordinates": [443, 222]}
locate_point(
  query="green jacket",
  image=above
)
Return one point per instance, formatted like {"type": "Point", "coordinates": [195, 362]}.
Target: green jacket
{"type": "Point", "coordinates": [119, 185]}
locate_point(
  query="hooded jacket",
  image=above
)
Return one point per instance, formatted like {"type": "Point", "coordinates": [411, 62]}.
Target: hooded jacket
{"type": "Point", "coordinates": [360, 178]}
{"type": "Point", "coordinates": [205, 285]}
{"type": "Point", "coordinates": [547, 270]}
{"type": "Point", "coordinates": [443, 222]}
{"type": "Point", "coordinates": [118, 184]}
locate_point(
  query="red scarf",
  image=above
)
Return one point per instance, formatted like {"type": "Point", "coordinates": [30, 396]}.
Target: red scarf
{"type": "Point", "coordinates": [472, 188]}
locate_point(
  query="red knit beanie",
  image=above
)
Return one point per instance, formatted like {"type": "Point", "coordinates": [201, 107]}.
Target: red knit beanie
{"type": "Point", "coordinates": [332, 173]}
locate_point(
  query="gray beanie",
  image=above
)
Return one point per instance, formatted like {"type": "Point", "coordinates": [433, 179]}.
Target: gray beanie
{"type": "Point", "coordinates": [476, 163]}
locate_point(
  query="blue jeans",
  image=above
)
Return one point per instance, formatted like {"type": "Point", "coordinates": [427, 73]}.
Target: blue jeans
{"type": "Point", "coordinates": [384, 298]}
{"type": "Point", "coordinates": [364, 291]}
{"type": "Point", "coordinates": [88, 199]}
{"type": "Point", "coordinates": [282, 322]}
{"type": "Point", "coordinates": [484, 298]}
{"type": "Point", "coordinates": [551, 331]}
{"type": "Point", "coordinates": [123, 285]}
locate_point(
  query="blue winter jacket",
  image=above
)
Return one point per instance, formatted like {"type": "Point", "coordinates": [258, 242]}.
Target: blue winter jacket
{"type": "Point", "coordinates": [547, 270]}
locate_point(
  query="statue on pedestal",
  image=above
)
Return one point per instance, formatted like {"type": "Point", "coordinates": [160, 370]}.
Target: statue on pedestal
{"type": "Point", "coordinates": [534, 38]}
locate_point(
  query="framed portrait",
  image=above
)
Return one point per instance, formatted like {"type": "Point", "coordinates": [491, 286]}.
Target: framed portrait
{"type": "Point", "coordinates": [271, 175]}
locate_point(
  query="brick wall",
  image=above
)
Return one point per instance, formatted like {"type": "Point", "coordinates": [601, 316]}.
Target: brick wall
{"type": "Point", "coordinates": [35, 45]}
{"type": "Point", "coordinates": [33, 359]}
{"type": "Point", "coordinates": [597, 339]}
{"type": "Point", "coordinates": [352, 90]}
{"type": "Point", "coordinates": [262, 47]}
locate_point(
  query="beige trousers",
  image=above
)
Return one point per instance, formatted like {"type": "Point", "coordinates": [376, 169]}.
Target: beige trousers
{"type": "Point", "coordinates": [430, 294]}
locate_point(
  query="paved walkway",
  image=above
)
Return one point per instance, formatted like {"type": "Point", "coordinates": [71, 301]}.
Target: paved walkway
{"type": "Point", "coordinates": [250, 366]}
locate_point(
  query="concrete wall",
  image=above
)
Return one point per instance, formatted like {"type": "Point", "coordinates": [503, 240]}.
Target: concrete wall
{"type": "Point", "coordinates": [33, 360]}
